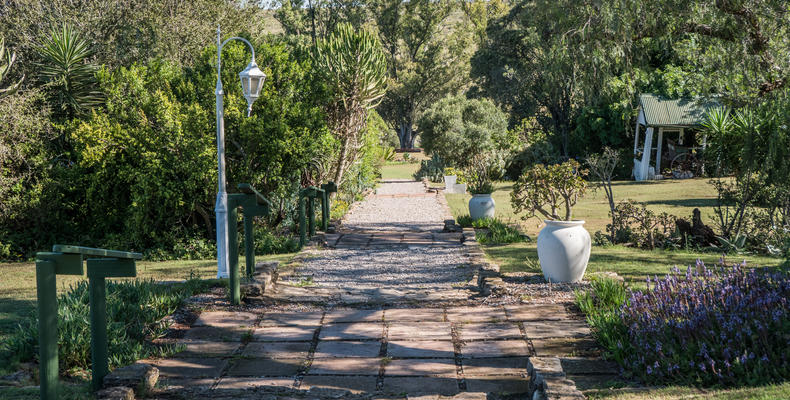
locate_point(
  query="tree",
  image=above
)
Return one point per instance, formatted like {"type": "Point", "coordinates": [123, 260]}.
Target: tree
{"type": "Point", "coordinates": [545, 189]}
{"type": "Point", "coordinates": [602, 167]}
{"type": "Point", "coordinates": [7, 60]}
{"type": "Point", "coordinates": [457, 128]}
{"type": "Point", "coordinates": [319, 18]}
{"type": "Point", "coordinates": [427, 59]}
{"type": "Point", "coordinates": [66, 71]}
{"type": "Point", "coordinates": [354, 68]}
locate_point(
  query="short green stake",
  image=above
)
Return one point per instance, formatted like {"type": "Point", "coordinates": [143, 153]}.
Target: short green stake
{"type": "Point", "coordinates": [47, 328]}
{"type": "Point", "coordinates": [311, 215]}
{"type": "Point", "coordinates": [98, 303]}
{"type": "Point", "coordinates": [302, 227]}
{"type": "Point", "coordinates": [233, 252]}
{"type": "Point", "coordinates": [249, 246]}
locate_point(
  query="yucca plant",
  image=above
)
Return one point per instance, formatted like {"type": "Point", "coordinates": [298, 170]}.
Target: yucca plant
{"type": "Point", "coordinates": [7, 60]}
{"type": "Point", "coordinates": [66, 68]}
{"type": "Point", "coordinates": [353, 66]}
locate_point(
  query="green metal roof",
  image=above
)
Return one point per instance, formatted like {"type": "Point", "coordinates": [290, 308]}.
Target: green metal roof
{"type": "Point", "coordinates": [685, 112]}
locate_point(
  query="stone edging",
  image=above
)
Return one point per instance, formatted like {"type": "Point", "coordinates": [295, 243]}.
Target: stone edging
{"type": "Point", "coordinates": [547, 378]}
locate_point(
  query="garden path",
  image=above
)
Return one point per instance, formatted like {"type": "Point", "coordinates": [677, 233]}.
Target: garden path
{"type": "Point", "coordinates": [384, 309]}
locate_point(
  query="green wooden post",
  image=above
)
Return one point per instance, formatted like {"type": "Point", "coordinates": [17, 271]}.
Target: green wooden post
{"type": "Point", "coordinates": [324, 211]}
{"type": "Point", "coordinates": [98, 270]}
{"type": "Point", "coordinates": [233, 253]}
{"type": "Point", "coordinates": [249, 245]}
{"type": "Point", "coordinates": [98, 313]}
{"type": "Point", "coordinates": [311, 214]}
{"type": "Point", "coordinates": [46, 290]}
{"type": "Point", "coordinates": [302, 218]}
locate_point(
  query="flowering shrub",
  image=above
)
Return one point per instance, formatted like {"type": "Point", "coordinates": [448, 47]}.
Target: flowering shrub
{"type": "Point", "coordinates": [708, 326]}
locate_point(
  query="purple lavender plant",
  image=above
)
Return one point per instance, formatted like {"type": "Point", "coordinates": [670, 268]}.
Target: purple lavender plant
{"type": "Point", "coordinates": [710, 326]}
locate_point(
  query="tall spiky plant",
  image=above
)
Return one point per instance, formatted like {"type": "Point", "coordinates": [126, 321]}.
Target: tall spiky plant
{"type": "Point", "coordinates": [354, 67]}
{"type": "Point", "coordinates": [7, 60]}
{"type": "Point", "coordinates": [67, 69]}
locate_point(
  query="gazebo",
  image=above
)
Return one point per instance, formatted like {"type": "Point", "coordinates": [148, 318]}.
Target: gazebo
{"type": "Point", "coordinates": [677, 118]}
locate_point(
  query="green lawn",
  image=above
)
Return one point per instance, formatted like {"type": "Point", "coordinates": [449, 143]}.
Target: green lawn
{"type": "Point", "coordinates": [18, 285]}
{"type": "Point", "coordinates": [771, 392]}
{"type": "Point", "coordinates": [399, 170]}
{"type": "Point", "coordinates": [677, 197]}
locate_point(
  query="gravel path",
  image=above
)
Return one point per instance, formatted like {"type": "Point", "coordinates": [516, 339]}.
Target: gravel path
{"type": "Point", "coordinates": [397, 206]}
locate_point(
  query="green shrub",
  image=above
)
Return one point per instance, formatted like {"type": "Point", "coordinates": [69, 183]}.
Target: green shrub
{"type": "Point", "coordinates": [433, 169]}
{"type": "Point", "coordinates": [498, 231]}
{"type": "Point", "coordinates": [601, 304]}
{"type": "Point", "coordinates": [135, 310]}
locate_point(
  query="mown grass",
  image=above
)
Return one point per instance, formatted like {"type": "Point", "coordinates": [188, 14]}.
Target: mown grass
{"type": "Point", "coordinates": [399, 170]}
{"type": "Point", "coordinates": [769, 392]}
{"type": "Point", "coordinates": [676, 197]}
{"type": "Point", "coordinates": [18, 285]}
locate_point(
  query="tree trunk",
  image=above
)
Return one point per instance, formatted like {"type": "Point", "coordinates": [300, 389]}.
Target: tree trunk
{"type": "Point", "coordinates": [406, 135]}
{"type": "Point", "coordinates": [341, 162]}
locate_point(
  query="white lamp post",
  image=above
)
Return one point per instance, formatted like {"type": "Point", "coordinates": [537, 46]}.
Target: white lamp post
{"type": "Point", "coordinates": [251, 83]}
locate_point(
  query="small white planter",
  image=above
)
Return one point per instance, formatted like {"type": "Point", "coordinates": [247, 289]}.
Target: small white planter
{"type": "Point", "coordinates": [481, 206]}
{"type": "Point", "coordinates": [459, 188]}
{"type": "Point", "coordinates": [564, 250]}
{"type": "Point", "coordinates": [449, 182]}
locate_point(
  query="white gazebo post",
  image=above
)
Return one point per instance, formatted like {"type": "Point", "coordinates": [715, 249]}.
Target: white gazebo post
{"type": "Point", "coordinates": [658, 150]}
{"type": "Point", "coordinates": [645, 164]}
{"type": "Point", "coordinates": [251, 83]}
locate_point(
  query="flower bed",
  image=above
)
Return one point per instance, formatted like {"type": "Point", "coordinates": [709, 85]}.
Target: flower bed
{"type": "Point", "coordinates": [721, 326]}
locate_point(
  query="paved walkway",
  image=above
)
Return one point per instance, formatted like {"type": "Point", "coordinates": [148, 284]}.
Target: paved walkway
{"type": "Point", "coordinates": [385, 320]}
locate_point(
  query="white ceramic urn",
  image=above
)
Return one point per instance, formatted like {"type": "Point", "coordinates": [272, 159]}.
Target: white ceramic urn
{"type": "Point", "coordinates": [564, 250]}
{"type": "Point", "coordinates": [449, 183]}
{"type": "Point", "coordinates": [481, 206]}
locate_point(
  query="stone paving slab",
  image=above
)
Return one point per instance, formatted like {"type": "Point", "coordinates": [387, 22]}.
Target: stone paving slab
{"type": "Point", "coordinates": [284, 334]}
{"type": "Point", "coordinates": [553, 329]}
{"type": "Point", "coordinates": [208, 349]}
{"type": "Point", "coordinates": [476, 314]}
{"type": "Point", "coordinates": [180, 383]}
{"type": "Point", "coordinates": [498, 348]}
{"type": "Point", "coordinates": [277, 350]}
{"type": "Point", "coordinates": [417, 385]}
{"type": "Point", "coordinates": [345, 366]}
{"type": "Point", "coordinates": [414, 314]}
{"type": "Point", "coordinates": [420, 349]}
{"type": "Point", "coordinates": [444, 367]}
{"type": "Point", "coordinates": [334, 349]}
{"type": "Point", "coordinates": [352, 384]}
{"type": "Point", "coordinates": [498, 384]}
{"type": "Point", "coordinates": [535, 312]}
{"type": "Point", "coordinates": [495, 366]}
{"type": "Point", "coordinates": [190, 367]}
{"type": "Point", "coordinates": [354, 316]}
{"type": "Point", "coordinates": [352, 331]}
{"type": "Point", "coordinates": [419, 331]}
{"type": "Point", "coordinates": [482, 331]}
{"type": "Point", "coordinates": [307, 319]}
{"type": "Point", "coordinates": [214, 334]}
{"type": "Point", "coordinates": [236, 383]}
{"type": "Point", "coordinates": [226, 319]}
{"type": "Point", "coordinates": [265, 367]}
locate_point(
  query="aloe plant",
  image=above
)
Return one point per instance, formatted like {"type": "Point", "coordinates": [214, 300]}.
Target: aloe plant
{"type": "Point", "coordinates": [7, 60]}
{"type": "Point", "coordinates": [66, 68]}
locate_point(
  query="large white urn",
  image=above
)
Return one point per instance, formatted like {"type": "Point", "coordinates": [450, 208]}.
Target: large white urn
{"type": "Point", "coordinates": [481, 206]}
{"type": "Point", "coordinates": [564, 250]}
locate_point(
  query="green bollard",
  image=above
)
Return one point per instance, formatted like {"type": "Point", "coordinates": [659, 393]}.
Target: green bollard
{"type": "Point", "coordinates": [324, 211]}
{"type": "Point", "coordinates": [302, 218]}
{"type": "Point", "coordinates": [311, 215]}
{"type": "Point", "coordinates": [233, 252]}
{"type": "Point", "coordinates": [98, 313]}
{"type": "Point", "coordinates": [46, 290]}
{"type": "Point", "coordinates": [98, 270]}
{"type": "Point", "coordinates": [249, 246]}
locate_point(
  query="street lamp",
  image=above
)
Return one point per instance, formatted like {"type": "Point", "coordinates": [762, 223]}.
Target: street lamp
{"type": "Point", "coordinates": [251, 83]}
